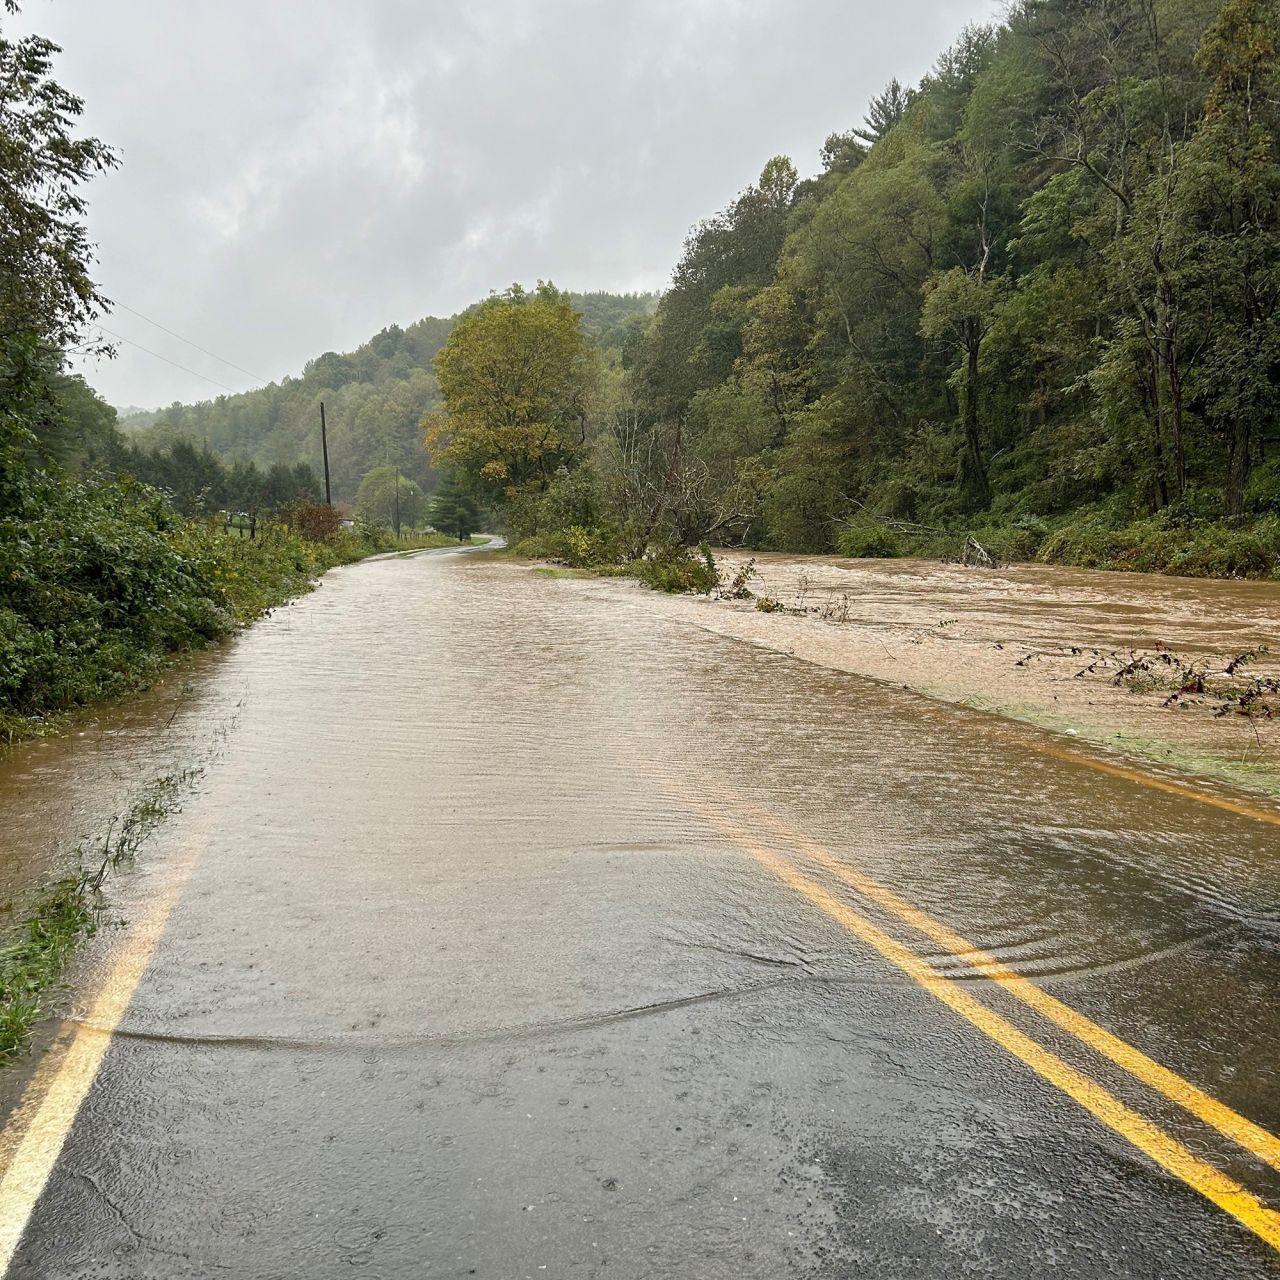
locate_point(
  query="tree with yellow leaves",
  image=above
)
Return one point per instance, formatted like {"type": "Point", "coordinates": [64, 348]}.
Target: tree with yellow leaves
{"type": "Point", "coordinates": [516, 375]}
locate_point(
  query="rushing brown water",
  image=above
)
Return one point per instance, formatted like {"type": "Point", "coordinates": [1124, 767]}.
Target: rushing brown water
{"type": "Point", "coordinates": [473, 976]}
{"type": "Point", "coordinates": [1048, 603]}
{"type": "Point", "coordinates": [1036, 642]}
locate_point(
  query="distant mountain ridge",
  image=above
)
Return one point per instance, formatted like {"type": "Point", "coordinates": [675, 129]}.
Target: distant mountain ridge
{"type": "Point", "coordinates": [374, 399]}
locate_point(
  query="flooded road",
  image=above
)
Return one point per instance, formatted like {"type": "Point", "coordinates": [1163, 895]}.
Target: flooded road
{"type": "Point", "coordinates": [1043, 644]}
{"type": "Point", "coordinates": [522, 927]}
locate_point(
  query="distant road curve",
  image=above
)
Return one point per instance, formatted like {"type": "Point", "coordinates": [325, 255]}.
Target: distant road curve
{"type": "Point", "coordinates": [495, 543]}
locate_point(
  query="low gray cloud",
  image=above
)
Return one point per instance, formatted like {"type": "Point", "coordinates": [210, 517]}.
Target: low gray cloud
{"type": "Point", "coordinates": [300, 173]}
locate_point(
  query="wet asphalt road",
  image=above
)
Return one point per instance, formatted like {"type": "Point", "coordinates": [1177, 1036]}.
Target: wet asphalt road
{"type": "Point", "coordinates": [484, 965]}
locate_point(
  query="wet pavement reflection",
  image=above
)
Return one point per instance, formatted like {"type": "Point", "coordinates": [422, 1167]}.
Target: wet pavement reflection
{"type": "Point", "coordinates": [475, 972]}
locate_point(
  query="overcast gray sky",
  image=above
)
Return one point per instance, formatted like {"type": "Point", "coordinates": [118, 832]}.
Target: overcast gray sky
{"type": "Point", "coordinates": [299, 173]}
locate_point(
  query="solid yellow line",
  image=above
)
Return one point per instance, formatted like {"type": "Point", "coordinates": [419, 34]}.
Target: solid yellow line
{"type": "Point", "coordinates": [1252, 1137]}
{"type": "Point", "coordinates": [1186, 791]}
{"type": "Point", "coordinates": [39, 1127]}
{"type": "Point", "coordinates": [1167, 1152]}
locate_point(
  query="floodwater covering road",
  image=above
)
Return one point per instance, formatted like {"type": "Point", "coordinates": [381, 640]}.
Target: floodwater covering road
{"type": "Point", "coordinates": [517, 931]}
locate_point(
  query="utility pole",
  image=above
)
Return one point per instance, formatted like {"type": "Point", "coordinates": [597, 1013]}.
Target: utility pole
{"type": "Point", "coordinates": [324, 449]}
{"type": "Point", "coordinates": [397, 504]}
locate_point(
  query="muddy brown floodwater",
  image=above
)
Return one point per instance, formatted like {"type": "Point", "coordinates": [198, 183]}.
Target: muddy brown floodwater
{"type": "Point", "coordinates": [65, 793]}
{"type": "Point", "coordinates": [525, 926]}
{"type": "Point", "coordinates": [1020, 641]}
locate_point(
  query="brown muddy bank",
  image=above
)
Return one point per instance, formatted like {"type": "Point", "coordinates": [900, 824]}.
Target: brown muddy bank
{"type": "Point", "coordinates": [1042, 644]}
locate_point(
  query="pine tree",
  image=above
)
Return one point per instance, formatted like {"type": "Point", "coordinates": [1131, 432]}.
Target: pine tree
{"type": "Point", "coordinates": [883, 112]}
{"type": "Point", "coordinates": [453, 510]}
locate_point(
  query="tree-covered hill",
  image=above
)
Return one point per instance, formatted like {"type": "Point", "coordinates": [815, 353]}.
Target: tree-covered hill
{"type": "Point", "coordinates": [1044, 280]}
{"type": "Point", "coordinates": [375, 398]}
{"type": "Point", "coordinates": [1036, 294]}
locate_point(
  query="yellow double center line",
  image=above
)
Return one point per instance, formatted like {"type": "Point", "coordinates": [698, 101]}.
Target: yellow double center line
{"type": "Point", "coordinates": [1166, 1151]}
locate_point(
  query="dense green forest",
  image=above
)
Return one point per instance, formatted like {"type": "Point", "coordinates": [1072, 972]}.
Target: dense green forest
{"type": "Point", "coordinates": [375, 398]}
{"type": "Point", "coordinates": [1034, 296]}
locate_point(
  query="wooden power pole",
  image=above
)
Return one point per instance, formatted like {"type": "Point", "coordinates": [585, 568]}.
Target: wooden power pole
{"type": "Point", "coordinates": [324, 449]}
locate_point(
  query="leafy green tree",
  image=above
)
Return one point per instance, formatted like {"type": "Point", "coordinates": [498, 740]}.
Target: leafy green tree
{"type": "Point", "coordinates": [859, 263]}
{"type": "Point", "coordinates": [47, 294]}
{"type": "Point", "coordinates": [516, 375]}
{"type": "Point", "coordinates": [283, 486]}
{"type": "Point", "coordinates": [1228, 223]}
{"type": "Point", "coordinates": [80, 431]}
{"type": "Point", "coordinates": [1118, 96]}
{"type": "Point", "coordinates": [376, 499]}
{"type": "Point", "coordinates": [885, 110]}
{"type": "Point", "coordinates": [45, 255]}
{"type": "Point", "coordinates": [193, 478]}
{"type": "Point", "coordinates": [842, 152]}
{"type": "Point", "coordinates": [197, 482]}
{"type": "Point", "coordinates": [692, 345]}
{"type": "Point", "coordinates": [961, 302]}
{"type": "Point", "coordinates": [243, 489]}
{"type": "Point", "coordinates": [958, 307]}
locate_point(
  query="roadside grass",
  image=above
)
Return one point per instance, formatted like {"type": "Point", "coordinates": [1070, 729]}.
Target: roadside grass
{"type": "Point", "coordinates": [1243, 773]}
{"type": "Point", "coordinates": [555, 571]}
{"type": "Point", "coordinates": [70, 910]}
{"type": "Point", "coordinates": [424, 542]}
{"type": "Point", "coordinates": [66, 913]}
{"type": "Point", "coordinates": [435, 541]}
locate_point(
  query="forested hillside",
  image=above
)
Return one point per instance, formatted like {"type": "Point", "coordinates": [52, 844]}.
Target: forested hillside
{"type": "Point", "coordinates": [375, 398]}
{"type": "Point", "coordinates": [1045, 279]}
{"type": "Point", "coordinates": [1034, 295]}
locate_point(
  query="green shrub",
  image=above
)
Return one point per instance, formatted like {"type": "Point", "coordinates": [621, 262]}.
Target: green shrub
{"type": "Point", "coordinates": [1019, 540]}
{"type": "Point", "coordinates": [676, 570]}
{"type": "Point", "coordinates": [1086, 543]}
{"type": "Point", "coordinates": [101, 583]}
{"type": "Point", "coordinates": [578, 546]}
{"type": "Point", "coordinates": [865, 540]}
{"type": "Point", "coordinates": [1172, 544]}
{"type": "Point", "coordinates": [1181, 539]}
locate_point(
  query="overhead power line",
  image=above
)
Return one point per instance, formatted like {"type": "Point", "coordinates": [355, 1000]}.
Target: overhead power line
{"type": "Point", "coordinates": [121, 338]}
{"type": "Point", "coordinates": [203, 350]}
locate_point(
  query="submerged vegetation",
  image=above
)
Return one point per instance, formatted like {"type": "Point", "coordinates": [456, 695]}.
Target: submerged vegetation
{"type": "Point", "coordinates": [71, 909]}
